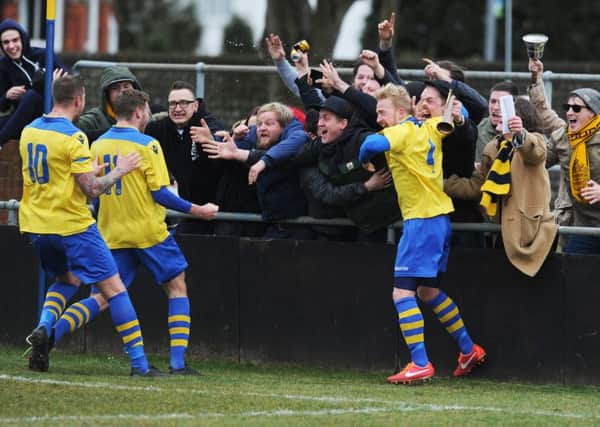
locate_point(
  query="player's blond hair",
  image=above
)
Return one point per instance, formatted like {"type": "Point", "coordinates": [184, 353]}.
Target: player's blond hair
{"type": "Point", "coordinates": [398, 95]}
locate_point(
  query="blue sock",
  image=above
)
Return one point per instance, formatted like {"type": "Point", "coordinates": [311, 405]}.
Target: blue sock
{"type": "Point", "coordinates": [57, 297]}
{"type": "Point", "coordinates": [179, 330]}
{"type": "Point", "coordinates": [412, 326]}
{"type": "Point", "coordinates": [74, 317]}
{"type": "Point", "coordinates": [448, 314]}
{"type": "Point", "coordinates": [127, 325]}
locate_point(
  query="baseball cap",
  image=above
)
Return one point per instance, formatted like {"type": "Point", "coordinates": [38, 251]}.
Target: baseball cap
{"type": "Point", "coordinates": [338, 106]}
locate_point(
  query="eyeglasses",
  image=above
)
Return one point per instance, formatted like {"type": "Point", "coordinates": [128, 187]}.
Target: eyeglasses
{"type": "Point", "coordinates": [184, 103]}
{"type": "Point", "coordinates": [576, 108]}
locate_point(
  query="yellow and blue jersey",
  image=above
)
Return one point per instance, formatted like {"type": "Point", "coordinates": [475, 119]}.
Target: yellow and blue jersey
{"type": "Point", "coordinates": [128, 216]}
{"type": "Point", "coordinates": [415, 161]}
{"type": "Point", "coordinates": [53, 150]}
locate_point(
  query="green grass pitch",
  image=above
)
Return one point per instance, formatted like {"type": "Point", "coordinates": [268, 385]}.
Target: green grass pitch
{"type": "Point", "coordinates": [95, 389]}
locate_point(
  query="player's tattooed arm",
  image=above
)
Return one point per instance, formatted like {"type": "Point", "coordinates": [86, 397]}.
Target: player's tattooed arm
{"type": "Point", "coordinates": [93, 185]}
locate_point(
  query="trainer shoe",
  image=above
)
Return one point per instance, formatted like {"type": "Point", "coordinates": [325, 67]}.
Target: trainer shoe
{"type": "Point", "coordinates": [151, 372]}
{"type": "Point", "coordinates": [30, 346]}
{"type": "Point", "coordinates": [38, 360]}
{"type": "Point", "coordinates": [187, 370]}
{"type": "Point", "coordinates": [412, 374]}
{"type": "Point", "coordinates": [466, 362]}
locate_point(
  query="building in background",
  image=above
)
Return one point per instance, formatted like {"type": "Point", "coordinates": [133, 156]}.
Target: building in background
{"type": "Point", "coordinates": [90, 26]}
{"type": "Point", "coordinates": [81, 25]}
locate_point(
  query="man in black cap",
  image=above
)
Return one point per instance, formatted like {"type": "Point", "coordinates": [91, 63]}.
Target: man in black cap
{"type": "Point", "coordinates": [335, 178]}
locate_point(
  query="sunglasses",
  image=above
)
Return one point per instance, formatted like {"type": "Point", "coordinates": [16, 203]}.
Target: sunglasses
{"type": "Point", "coordinates": [576, 108]}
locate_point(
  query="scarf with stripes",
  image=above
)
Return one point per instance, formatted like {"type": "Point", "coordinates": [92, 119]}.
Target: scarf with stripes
{"type": "Point", "coordinates": [497, 182]}
{"type": "Point", "coordinates": [579, 166]}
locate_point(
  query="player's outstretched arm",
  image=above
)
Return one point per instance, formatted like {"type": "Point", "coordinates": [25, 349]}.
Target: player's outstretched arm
{"type": "Point", "coordinates": [205, 211]}
{"type": "Point", "coordinates": [172, 201]}
{"type": "Point", "coordinates": [93, 185]}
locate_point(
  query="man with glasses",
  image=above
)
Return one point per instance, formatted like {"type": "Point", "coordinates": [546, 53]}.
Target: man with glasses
{"type": "Point", "coordinates": [113, 81]}
{"type": "Point", "coordinates": [196, 175]}
{"type": "Point", "coordinates": [575, 145]}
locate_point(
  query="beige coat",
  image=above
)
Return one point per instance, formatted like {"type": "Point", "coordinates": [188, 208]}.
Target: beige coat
{"type": "Point", "coordinates": [528, 226]}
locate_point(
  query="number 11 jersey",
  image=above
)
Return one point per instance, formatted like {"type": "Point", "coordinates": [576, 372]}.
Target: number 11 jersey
{"type": "Point", "coordinates": [128, 216]}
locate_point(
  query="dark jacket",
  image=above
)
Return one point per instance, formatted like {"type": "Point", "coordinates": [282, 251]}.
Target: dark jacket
{"type": "Point", "coordinates": [98, 120]}
{"type": "Point", "coordinates": [387, 60]}
{"type": "Point", "coordinates": [475, 104]}
{"type": "Point", "coordinates": [279, 194]}
{"type": "Point", "coordinates": [338, 162]}
{"type": "Point", "coordinates": [326, 200]}
{"type": "Point", "coordinates": [458, 151]}
{"type": "Point", "coordinates": [278, 186]}
{"type": "Point", "coordinates": [196, 175]}
{"type": "Point", "coordinates": [365, 108]}
{"type": "Point", "coordinates": [28, 71]}
{"type": "Point", "coordinates": [364, 105]}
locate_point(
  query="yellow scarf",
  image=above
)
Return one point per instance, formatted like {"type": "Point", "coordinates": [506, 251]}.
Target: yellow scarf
{"type": "Point", "coordinates": [579, 166]}
{"type": "Point", "coordinates": [110, 111]}
{"type": "Point", "coordinates": [497, 182]}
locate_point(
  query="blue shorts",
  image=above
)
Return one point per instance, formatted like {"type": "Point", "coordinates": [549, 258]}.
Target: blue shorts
{"type": "Point", "coordinates": [84, 254]}
{"type": "Point", "coordinates": [164, 261]}
{"type": "Point", "coordinates": [424, 248]}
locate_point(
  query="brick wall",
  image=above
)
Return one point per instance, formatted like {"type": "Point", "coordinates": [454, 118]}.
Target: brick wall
{"type": "Point", "coordinates": [11, 184]}
{"type": "Point", "coordinates": [75, 27]}
{"type": "Point", "coordinates": [10, 11]}
{"type": "Point", "coordinates": [106, 10]}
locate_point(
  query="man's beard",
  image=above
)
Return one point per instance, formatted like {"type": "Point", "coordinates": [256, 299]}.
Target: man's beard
{"type": "Point", "coordinates": [265, 143]}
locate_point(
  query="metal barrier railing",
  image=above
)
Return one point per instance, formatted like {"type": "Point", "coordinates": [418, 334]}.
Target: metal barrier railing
{"type": "Point", "coordinates": [482, 227]}
{"type": "Point", "coordinates": [13, 209]}
{"type": "Point", "coordinates": [200, 68]}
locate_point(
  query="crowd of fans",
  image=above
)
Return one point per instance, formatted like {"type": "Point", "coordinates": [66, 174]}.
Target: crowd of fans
{"type": "Point", "coordinates": [285, 162]}
{"type": "Point", "coordinates": [374, 150]}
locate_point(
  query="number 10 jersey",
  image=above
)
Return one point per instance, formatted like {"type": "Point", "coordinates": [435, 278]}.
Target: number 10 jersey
{"type": "Point", "coordinates": [53, 150]}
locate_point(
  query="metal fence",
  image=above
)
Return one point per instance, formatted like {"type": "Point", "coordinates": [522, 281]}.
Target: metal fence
{"type": "Point", "coordinates": [485, 227]}
{"type": "Point", "coordinates": [201, 70]}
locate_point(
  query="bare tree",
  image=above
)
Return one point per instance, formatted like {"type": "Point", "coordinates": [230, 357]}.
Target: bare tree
{"type": "Point", "coordinates": [157, 26]}
{"type": "Point", "coordinates": [319, 26]}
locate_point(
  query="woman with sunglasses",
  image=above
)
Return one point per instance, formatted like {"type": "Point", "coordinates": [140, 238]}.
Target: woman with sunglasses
{"type": "Point", "coordinates": [574, 143]}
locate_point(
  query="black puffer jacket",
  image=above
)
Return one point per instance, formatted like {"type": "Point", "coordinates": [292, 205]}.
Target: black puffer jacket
{"type": "Point", "coordinates": [338, 162]}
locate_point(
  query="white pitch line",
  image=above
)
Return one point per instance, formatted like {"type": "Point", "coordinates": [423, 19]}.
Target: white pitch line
{"type": "Point", "coordinates": [394, 405]}
{"type": "Point", "coordinates": [188, 416]}
{"type": "Point", "coordinates": [59, 418]}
